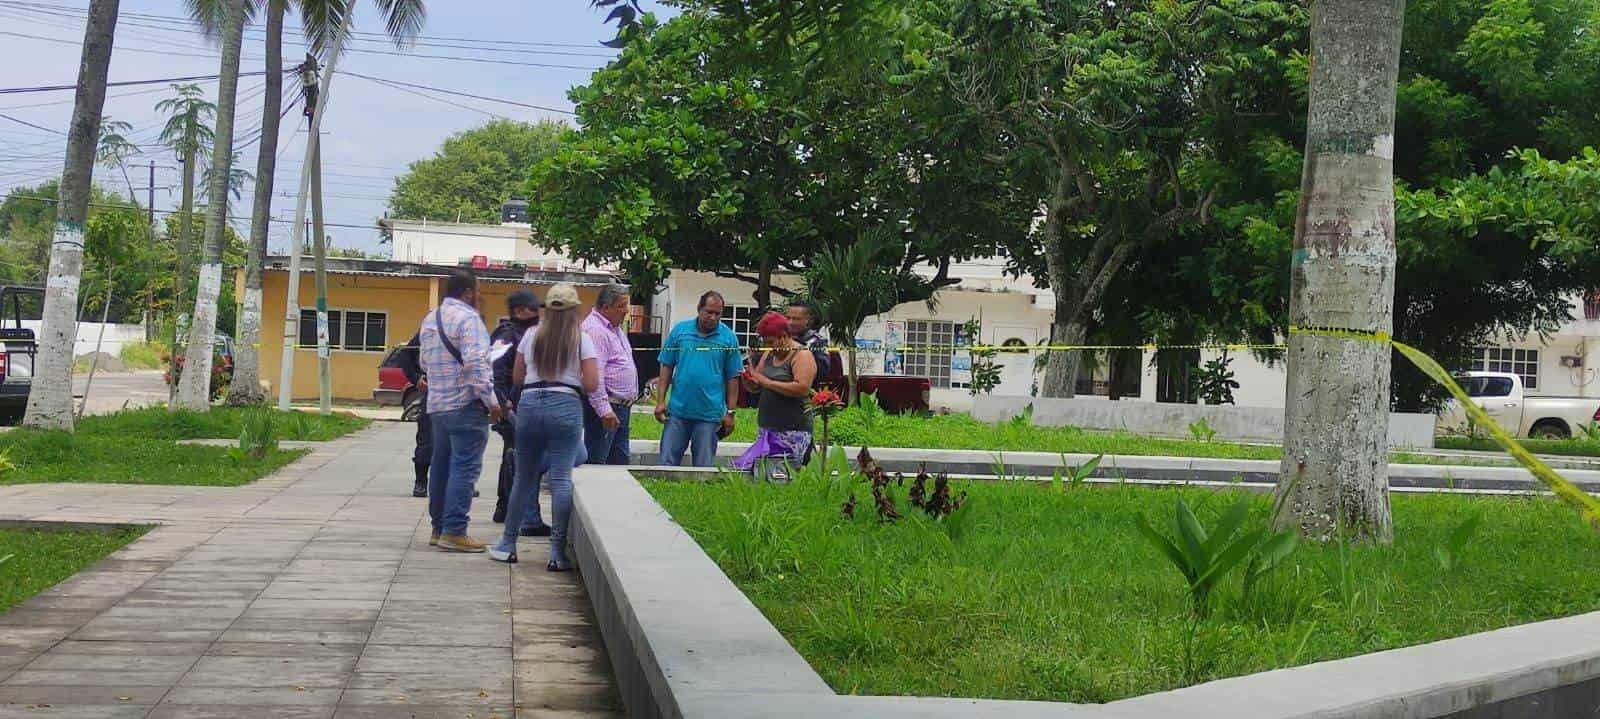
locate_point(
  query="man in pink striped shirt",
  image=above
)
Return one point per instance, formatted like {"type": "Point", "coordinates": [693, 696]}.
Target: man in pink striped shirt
{"type": "Point", "coordinates": [605, 419]}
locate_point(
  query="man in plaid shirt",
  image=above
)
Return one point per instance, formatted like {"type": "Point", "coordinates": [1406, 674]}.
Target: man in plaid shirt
{"type": "Point", "coordinates": [461, 405]}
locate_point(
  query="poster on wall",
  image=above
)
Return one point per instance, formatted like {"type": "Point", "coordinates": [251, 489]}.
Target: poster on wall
{"type": "Point", "coordinates": [893, 338]}
{"type": "Point", "coordinates": [961, 357]}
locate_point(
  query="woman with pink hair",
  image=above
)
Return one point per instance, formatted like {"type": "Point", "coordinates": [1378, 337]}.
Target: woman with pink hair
{"type": "Point", "coordinates": [782, 380]}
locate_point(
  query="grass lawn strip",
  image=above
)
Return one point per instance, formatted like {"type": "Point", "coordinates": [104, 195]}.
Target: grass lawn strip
{"type": "Point", "coordinates": [1034, 593]}
{"type": "Point", "coordinates": [961, 431]}
{"type": "Point", "coordinates": [40, 558]}
{"type": "Point", "coordinates": [141, 447]}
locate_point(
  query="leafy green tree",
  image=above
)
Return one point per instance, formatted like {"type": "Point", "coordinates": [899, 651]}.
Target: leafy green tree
{"type": "Point", "coordinates": [703, 149]}
{"type": "Point", "coordinates": [849, 284]}
{"type": "Point", "coordinates": [1113, 117]}
{"type": "Point", "coordinates": [474, 172]}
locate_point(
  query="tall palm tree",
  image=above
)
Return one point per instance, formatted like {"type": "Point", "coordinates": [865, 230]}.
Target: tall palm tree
{"type": "Point", "coordinates": [188, 134]}
{"type": "Point", "coordinates": [50, 401]}
{"type": "Point", "coordinates": [238, 177]}
{"type": "Point", "coordinates": [194, 384]}
{"type": "Point", "coordinates": [114, 149]}
{"type": "Point", "coordinates": [1335, 443]}
{"type": "Point", "coordinates": [321, 19]}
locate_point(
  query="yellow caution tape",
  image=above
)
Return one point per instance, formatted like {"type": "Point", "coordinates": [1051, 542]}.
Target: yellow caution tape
{"type": "Point", "coordinates": [1588, 507]}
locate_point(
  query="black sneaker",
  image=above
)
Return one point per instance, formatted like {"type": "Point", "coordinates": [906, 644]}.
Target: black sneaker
{"type": "Point", "coordinates": [419, 490]}
{"type": "Point", "coordinates": [542, 530]}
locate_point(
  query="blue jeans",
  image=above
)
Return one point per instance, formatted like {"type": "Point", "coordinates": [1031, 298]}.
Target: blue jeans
{"type": "Point", "coordinates": [680, 433]}
{"type": "Point", "coordinates": [549, 433]}
{"type": "Point", "coordinates": [459, 438]}
{"type": "Point", "coordinates": [532, 515]}
{"type": "Point", "coordinates": [606, 446]}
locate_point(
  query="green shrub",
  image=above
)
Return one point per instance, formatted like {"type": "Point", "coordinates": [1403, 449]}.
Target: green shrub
{"type": "Point", "coordinates": [143, 355]}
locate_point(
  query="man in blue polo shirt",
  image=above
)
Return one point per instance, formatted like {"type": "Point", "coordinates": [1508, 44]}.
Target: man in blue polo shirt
{"type": "Point", "coordinates": [700, 365]}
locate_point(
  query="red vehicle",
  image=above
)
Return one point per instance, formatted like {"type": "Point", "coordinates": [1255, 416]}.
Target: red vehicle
{"type": "Point", "coordinates": [394, 390]}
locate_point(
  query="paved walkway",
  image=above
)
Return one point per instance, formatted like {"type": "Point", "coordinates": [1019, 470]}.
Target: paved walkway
{"type": "Point", "coordinates": [307, 595]}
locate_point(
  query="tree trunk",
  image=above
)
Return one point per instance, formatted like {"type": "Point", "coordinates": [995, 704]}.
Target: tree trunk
{"type": "Point", "coordinates": [1061, 370]}
{"type": "Point", "coordinates": [246, 386]}
{"type": "Point", "coordinates": [180, 282]}
{"type": "Point", "coordinates": [194, 386]}
{"type": "Point", "coordinates": [763, 293]}
{"type": "Point", "coordinates": [853, 391]}
{"type": "Point", "coordinates": [50, 401]}
{"type": "Point", "coordinates": [1334, 476]}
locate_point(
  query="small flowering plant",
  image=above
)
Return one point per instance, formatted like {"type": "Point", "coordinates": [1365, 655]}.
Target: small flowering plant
{"type": "Point", "coordinates": [824, 403]}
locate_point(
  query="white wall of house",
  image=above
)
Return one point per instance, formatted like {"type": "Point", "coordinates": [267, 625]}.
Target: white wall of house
{"type": "Point", "coordinates": [447, 243]}
{"type": "Point", "coordinates": [1009, 310]}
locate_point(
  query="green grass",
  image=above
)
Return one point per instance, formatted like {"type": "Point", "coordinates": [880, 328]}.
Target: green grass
{"type": "Point", "coordinates": [1564, 447]}
{"type": "Point", "coordinates": [41, 558]}
{"type": "Point", "coordinates": [1031, 593]}
{"type": "Point", "coordinates": [218, 423]}
{"type": "Point", "coordinates": [142, 355]}
{"type": "Point", "coordinates": [140, 447]}
{"type": "Point", "coordinates": [961, 431]}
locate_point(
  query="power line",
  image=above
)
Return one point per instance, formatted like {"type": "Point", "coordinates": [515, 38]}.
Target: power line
{"type": "Point", "coordinates": [118, 48]}
{"type": "Point", "coordinates": [123, 83]}
{"type": "Point", "coordinates": [453, 92]}
{"type": "Point", "coordinates": [29, 124]}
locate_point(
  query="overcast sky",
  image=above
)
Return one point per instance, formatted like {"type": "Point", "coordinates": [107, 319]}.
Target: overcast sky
{"type": "Point", "coordinates": [528, 51]}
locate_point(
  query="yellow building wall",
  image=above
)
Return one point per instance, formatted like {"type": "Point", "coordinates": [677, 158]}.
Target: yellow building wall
{"type": "Point", "coordinates": [406, 300]}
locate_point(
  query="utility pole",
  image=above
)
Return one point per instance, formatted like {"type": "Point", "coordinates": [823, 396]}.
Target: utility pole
{"type": "Point", "coordinates": [319, 246]}
{"type": "Point", "coordinates": [291, 311]}
{"type": "Point", "coordinates": [149, 292]}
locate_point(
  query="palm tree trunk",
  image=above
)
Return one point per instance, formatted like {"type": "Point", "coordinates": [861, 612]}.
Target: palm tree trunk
{"type": "Point", "coordinates": [50, 401]}
{"type": "Point", "coordinates": [194, 386]}
{"type": "Point", "coordinates": [1334, 476]}
{"type": "Point", "coordinates": [246, 387]}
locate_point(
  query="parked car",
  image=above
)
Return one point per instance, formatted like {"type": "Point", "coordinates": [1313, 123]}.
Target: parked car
{"type": "Point", "coordinates": [18, 347]}
{"type": "Point", "coordinates": [394, 390]}
{"type": "Point", "coordinates": [1501, 395]}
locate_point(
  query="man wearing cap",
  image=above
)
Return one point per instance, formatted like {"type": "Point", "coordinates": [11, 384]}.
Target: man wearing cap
{"type": "Point", "coordinates": [605, 419]}
{"type": "Point", "coordinates": [523, 308]}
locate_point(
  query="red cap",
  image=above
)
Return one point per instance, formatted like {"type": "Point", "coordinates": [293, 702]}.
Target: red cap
{"type": "Point", "coordinates": [772, 324]}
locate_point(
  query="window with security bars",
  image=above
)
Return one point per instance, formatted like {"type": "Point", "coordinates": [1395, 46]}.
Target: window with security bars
{"type": "Point", "coordinates": [348, 330]}
{"type": "Point", "coordinates": [1513, 360]}
{"type": "Point", "coordinates": [742, 320]}
{"type": "Point", "coordinates": [929, 346]}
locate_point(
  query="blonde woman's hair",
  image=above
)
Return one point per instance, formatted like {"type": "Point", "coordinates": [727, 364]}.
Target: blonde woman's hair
{"type": "Point", "coordinates": [555, 347]}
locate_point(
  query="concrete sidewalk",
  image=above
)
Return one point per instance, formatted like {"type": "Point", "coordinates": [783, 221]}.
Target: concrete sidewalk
{"type": "Point", "coordinates": [308, 594]}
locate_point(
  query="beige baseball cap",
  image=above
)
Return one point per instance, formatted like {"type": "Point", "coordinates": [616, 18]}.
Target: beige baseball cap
{"type": "Point", "coordinates": [563, 296]}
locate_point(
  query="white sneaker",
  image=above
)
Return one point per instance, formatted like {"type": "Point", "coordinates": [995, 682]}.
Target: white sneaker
{"type": "Point", "coordinates": [502, 555]}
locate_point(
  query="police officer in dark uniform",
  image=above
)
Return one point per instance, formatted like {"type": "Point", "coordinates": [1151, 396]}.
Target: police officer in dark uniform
{"type": "Point", "coordinates": [523, 308]}
{"type": "Point", "coordinates": [411, 364]}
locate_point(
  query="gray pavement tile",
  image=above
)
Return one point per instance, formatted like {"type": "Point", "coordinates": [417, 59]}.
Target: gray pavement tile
{"type": "Point", "coordinates": [423, 712]}
{"type": "Point", "coordinates": [410, 682]}
{"type": "Point", "coordinates": [454, 696]}
{"type": "Point", "coordinates": [32, 637]}
{"type": "Point", "coordinates": [294, 636]}
{"type": "Point", "coordinates": [281, 649]}
{"type": "Point", "coordinates": [496, 634]}
{"type": "Point", "coordinates": [80, 694]}
{"type": "Point", "coordinates": [313, 610]}
{"type": "Point", "coordinates": [557, 634]}
{"type": "Point", "coordinates": [254, 696]}
{"type": "Point", "coordinates": [136, 648]}
{"type": "Point", "coordinates": [57, 659]}
{"type": "Point", "coordinates": [134, 633]}
{"type": "Point", "coordinates": [286, 589]}
{"type": "Point", "coordinates": [68, 603]}
{"type": "Point", "coordinates": [561, 696]}
{"type": "Point", "coordinates": [383, 658]}
{"type": "Point", "coordinates": [93, 678]}
{"type": "Point", "coordinates": [47, 617]}
{"type": "Point", "coordinates": [439, 590]}
{"type": "Point", "coordinates": [176, 711]}
{"type": "Point", "coordinates": [542, 671]}
{"type": "Point", "coordinates": [72, 711]}
{"type": "Point", "coordinates": [534, 651]}
{"type": "Point", "coordinates": [534, 618]}
{"type": "Point", "coordinates": [214, 671]}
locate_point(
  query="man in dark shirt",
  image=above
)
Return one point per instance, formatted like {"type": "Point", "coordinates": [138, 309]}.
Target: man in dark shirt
{"type": "Point", "coordinates": [802, 316]}
{"type": "Point", "coordinates": [523, 306]}
{"type": "Point", "coordinates": [422, 456]}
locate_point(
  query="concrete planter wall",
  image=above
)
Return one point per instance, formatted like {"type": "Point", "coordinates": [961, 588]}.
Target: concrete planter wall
{"type": "Point", "coordinates": [685, 642]}
{"type": "Point", "coordinates": [1238, 424]}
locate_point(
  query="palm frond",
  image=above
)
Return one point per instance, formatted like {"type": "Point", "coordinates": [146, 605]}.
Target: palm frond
{"type": "Point", "coordinates": [211, 15]}
{"type": "Point", "coordinates": [321, 19]}
{"type": "Point", "coordinates": [403, 19]}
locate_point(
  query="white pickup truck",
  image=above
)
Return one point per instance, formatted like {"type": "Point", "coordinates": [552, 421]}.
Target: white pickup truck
{"type": "Point", "coordinates": [1500, 395]}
